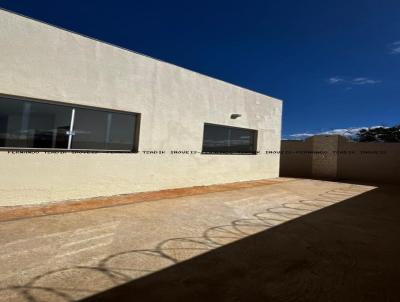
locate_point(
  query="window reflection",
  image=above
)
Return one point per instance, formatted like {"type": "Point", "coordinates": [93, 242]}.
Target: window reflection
{"type": "Point", "coordinates": [48, 126]}
{"type": "Point", "coordinates": [224, 139]}
{"type": "Point", "coordinates": [31, 124]}
{"type": "Point", "coordinates": [27, 124]}
{"type": "Point", "coordinates": [96, 129]}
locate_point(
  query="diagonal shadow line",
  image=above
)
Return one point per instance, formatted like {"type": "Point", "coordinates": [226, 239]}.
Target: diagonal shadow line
{"type": "Point", "coordinates": [207, 241]}
{"type": "Point", "coordinates": [345, 252]}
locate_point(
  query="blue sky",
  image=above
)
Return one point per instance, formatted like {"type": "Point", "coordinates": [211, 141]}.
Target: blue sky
{"type": "Point", "coordinates": [336, 64]}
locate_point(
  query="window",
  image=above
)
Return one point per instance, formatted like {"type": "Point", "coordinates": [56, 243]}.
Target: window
{"type": "Point", "coordinates": [103, 130]}
{"type": "Point", "coordinates": [31, 124]}
{"type": "Point", "coordinates": [229, 140]}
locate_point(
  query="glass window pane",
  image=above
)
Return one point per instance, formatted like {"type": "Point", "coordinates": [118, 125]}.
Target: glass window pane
{"type": "Point", "coordinates": [216, 139]}
{"type": "Point", "coordinates": [241, 140]}
{"type": "Point", "coordinates": [11, 116]}
{"type": "Point", "coordinates": [120, 131]}
{"type": "Point", "coordinates": [101, 130]}
{"type": "Point", "coordinates": [48, 125]}
{"type": "Point", "coordinates": [26, 124]}
{"type": "Point", "coordinates": [223, 139]}
{"type": "Point", "coordinates": [90, 129]}
{"type": "Point", "coordinates": [31, 124]}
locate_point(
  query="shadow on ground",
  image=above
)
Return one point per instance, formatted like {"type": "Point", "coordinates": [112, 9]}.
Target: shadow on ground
{"type": "Point", "coordinates": [330, 248]}
{"type": "Point", "coordinates": [349, 251]}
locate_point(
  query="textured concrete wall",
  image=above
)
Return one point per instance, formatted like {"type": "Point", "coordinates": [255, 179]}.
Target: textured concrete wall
{"type": "Point", "coordinates": [324, 158]}
{"type": "Point", "coordinates": [334, 157]}
{"type": "Point", "coordinates": [296, 158]}
{"type": "Point", "coordinates": [374, 162]}
{"type": "Point", "coordinates": [41, 61]}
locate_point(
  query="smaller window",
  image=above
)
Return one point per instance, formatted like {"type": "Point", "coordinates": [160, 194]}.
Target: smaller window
{"type": "Point", "coordinates": [218, 139]}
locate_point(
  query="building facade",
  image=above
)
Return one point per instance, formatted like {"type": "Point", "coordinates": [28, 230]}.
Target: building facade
{"type": "Point", "coordinates": [81, 118]}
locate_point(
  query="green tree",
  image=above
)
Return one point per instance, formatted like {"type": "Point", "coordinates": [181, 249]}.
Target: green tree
{"type": "Point", "coordinates": [380, 134]}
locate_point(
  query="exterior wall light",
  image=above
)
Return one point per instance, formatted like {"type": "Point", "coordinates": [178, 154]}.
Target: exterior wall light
{"type": "Point", "coordinates": [235, 116]}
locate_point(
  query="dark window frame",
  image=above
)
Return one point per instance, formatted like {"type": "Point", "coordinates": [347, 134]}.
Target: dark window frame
{"type": "Point", "coordinates": [136, 133]}
{"type": "Point", "coordinates": [254, 145]}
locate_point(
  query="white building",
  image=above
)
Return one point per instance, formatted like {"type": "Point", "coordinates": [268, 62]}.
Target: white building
{"type": "Point", "coordinates": [62, 93]}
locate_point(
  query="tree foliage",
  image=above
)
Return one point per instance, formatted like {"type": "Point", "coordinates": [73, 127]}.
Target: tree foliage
{"type": "Point", "coordinates": [380, 134]}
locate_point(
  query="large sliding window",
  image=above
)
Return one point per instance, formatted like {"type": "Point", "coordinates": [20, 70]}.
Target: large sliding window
{"type": "Point", "coordinates": [31, 124]}
{"type": "Point", "coordinates": [229, 140]}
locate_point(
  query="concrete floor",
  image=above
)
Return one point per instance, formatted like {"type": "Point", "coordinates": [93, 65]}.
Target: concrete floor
{"type": "Point", "coordinates": [341, 244]}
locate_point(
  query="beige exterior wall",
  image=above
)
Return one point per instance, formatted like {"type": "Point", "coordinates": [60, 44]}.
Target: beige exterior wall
{"type": "Point", "coordinates": [324, 159]}
{"type": "Point", "coordinates": [334, 157]}
{"type": "Point", "coordinates": [44, 62]}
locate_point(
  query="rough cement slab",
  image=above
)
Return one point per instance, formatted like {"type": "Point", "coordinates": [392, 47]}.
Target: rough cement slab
{"type": "Point", "coordinates": [341, 244]}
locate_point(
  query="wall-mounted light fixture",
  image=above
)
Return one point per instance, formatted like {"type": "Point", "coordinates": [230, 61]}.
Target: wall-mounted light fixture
{"type": "Point", "coordinates": [235, 115]}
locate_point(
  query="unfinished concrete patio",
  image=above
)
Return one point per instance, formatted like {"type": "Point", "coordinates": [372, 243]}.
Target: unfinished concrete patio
{"type": "Point", "coordinates": [289, 240]}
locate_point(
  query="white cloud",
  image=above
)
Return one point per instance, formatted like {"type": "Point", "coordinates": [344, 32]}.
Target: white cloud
{"type": "Point", "coordinates": [347, 132]}
{"type": "Point", "coordinates": [363, 81]}
{"type": "Point", "coordinates": [353, 81]}
{"type": "Point", "coordinates": [301, 135]}
{"type": "Point", "coordinates": [334, 80]}
{"type": "Point", "coordinates": [395, 48]}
